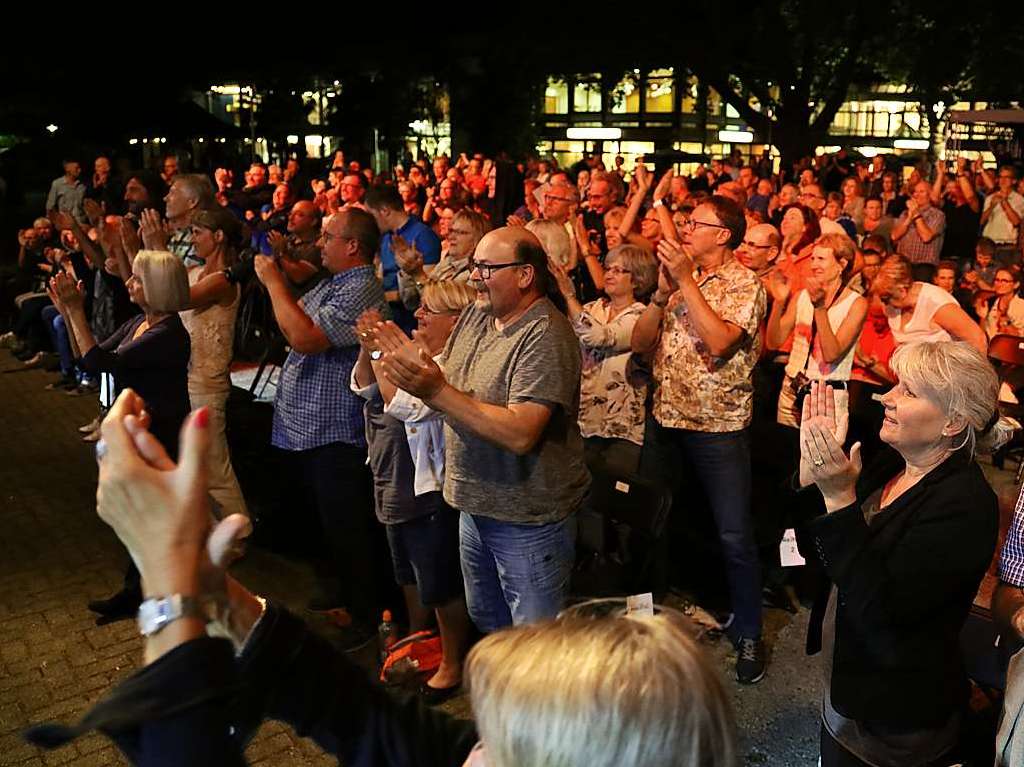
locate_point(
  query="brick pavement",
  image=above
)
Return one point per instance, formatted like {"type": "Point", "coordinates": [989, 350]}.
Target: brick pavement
{"type": "Point", "coordinates": [55, 555]}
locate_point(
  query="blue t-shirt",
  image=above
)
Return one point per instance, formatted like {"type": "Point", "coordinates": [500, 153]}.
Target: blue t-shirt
{"type": "Point", "coordinates": [413, 231]}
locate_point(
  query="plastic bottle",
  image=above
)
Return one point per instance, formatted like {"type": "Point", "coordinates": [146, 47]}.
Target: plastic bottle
{"type": "Point", "coordinates": [387, 634]}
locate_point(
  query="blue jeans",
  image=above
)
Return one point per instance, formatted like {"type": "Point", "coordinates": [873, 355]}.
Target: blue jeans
{"type": "Point", "coordinates": [515, 573]}
{"type": "Point", "coordinates": [54, 323]}
{"type": "Point", "coordinates": [722, 463]}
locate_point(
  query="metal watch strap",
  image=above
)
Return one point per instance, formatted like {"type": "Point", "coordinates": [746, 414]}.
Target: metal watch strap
{"type": "Point", "coordinates": [157, 612]}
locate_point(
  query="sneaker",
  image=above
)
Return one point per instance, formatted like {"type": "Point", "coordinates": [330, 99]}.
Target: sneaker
{"type": "Point", "coordinates": [751, 661]}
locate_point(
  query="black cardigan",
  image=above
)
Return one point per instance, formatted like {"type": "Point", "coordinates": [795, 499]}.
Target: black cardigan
{"type": "Point", "coordinates": [198, 706]}
{"type": "Point", "coordinates": [905, 585]}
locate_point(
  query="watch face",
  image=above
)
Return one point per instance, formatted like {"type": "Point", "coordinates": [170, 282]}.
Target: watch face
{"type": "Point", "coordinates": [376, 354]}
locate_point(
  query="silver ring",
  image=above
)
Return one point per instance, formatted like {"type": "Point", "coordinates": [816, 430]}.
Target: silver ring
{"type": "Point", "coordinates": [101, 449]}
{"type": "Point", "coordinates": [819, 462]}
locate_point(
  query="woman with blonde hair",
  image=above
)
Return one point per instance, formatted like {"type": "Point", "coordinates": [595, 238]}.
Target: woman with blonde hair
{"type": "Point", "coordinates": [148, 354]}
{"type": "Point", "coordinates": [905, 544]}
{"type": "Point", "coordinates": [612, 393]}
{"type": "Point", "coordinates": [920, 311]}
{"type": "Point", "coordinates": [825, 320]}
{"type": "Point", "coordinates": [405, 439]}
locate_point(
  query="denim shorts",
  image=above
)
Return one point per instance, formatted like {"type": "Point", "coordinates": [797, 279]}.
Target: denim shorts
{"type": "Point", "coordinates": [425, 552]}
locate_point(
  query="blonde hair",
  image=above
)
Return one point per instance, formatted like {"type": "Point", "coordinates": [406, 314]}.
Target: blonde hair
{"type": "Point", "coordinates": [599, 692]}
{"type": "Point", "coordinates": [477, 224]}
{"type": "Point", "coordinates": [893, 273]}
{"type": "Point", "coordinates": [553, 238]}
{"type": "Point", "coordinates": [164, 280]}
{"type": "Point", "coordinates": [447, 296]}
{"type": "Point", "coordinates": [641, 265]}
{"type": "Point", "coordinates": [960, 381]}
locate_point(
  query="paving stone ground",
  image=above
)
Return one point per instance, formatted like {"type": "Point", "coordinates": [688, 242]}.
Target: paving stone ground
{"type": "Point", "coordinates": [55, 555]}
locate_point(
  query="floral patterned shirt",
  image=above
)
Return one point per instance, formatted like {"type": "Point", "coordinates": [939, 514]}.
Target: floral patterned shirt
{"type": "Point", "coordinates": [696, 390]}
{"type": "Point", "coordinates": [612, 390]}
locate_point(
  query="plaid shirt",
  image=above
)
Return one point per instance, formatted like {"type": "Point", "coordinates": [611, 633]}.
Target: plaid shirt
{"type": "Point", "coordinates": [315, 405]}
{"type": "Point", "coordinates": [180, 244]}
{"type": "Point", "coordinates": [1011, 561]}
{"type": "Point", "coordinates": [916, 250]}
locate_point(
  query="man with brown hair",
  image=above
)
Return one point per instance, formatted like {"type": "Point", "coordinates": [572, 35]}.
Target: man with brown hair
{"type": "Point", "coordinates": [702, 324]}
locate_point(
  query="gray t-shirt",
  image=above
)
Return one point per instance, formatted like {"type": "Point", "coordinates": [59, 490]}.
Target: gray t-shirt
{"type": "Point", "coordinates": [535, 359]}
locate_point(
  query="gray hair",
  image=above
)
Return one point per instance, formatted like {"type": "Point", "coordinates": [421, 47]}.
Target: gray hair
{"type": "Point", "coordinates": [601, 692]}
{"type": "Point", "coordinates": [553, 237]}
{"type": "Point", "coordinates": [960, 381]}
{"type": "Point", "coordinates": [198, 189]}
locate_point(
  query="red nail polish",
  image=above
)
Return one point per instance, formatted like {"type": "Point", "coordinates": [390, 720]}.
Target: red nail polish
{"type": "Point", "coordinates": [203, 417]}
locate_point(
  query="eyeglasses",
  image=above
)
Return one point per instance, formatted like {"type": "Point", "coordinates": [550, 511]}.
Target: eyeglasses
{"type": "Point", "coordinates": [616, 269]}
{"type": "Point", "coordinates": [694, 223]}
{"type": "Point", "coordinates": [466, 232]}
{"type": "Point", "coordinates": [326, 237]}
{"type": "Point", "coordinates": [749, 244]}
{"type": "Point", "coordinates": [486, 270]}
{"type": "Point", "coordinates": [811, 196]}
{"type": "Point", "coordinates": [1003, 279]}
{"type": "Point", "coordinates": [553, 198]}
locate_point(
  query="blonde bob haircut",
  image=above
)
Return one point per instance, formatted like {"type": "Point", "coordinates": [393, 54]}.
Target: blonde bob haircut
{"type": "Point", "coordinates": [447, 296]}
{"type": "Point", "coordinates": [599, 692]}
{"type": "Point", "coordinates": [553, 238]}
{"type": "Point", "coordinates": [477, 224]}
{"type": "Point", "coordinates": [164, 280]}
{"type": "Point", "coordinates": [641, 265]}
{"type": "Point", "coordinates": [958, 380]}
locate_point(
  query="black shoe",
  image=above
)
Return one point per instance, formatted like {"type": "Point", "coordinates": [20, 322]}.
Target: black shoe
{"type": "Point", "coordinates": [434, 696]}
{"type": "Point", "coordinates": [64, 383]}
{"type": "Point", "coordinates": [751, 661]}
{"type": "Point", "coordinates": [124, 604]}
{"type": "Point", "coordinates": [26, 353]}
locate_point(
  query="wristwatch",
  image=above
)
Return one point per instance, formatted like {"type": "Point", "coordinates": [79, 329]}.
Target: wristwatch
{"type": "Point", "coordinates": [157, 612]}
{"type": "Point", "coordinates": [376, 354]}
{"type": "Point", "coordinates": [657, 204]}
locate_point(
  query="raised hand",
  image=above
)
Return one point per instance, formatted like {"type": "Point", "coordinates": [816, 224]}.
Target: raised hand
{"type": "Point", "coordinates": [515, 221]}
{"type": "Point", "coordinates": [69, 294]}
{"type": "Point", "coordinates": [822, 460]}
{"type": "Point", "coordinates": [562, 279]}
{"type": "Point", "coordinates": [407, 365]}
{"type": "Point", "coordinates": [664, 185]}
{"type": "Point", "coordinates": [642, 177]}
{"type": "Point", "coordinates": [129, 238]}
{"type": "Point", "coordinates": [676, 260]}
{"type": "Point", "coordinates": [277, 241]}
{"type": "Point", "coordinates": [93, 211]}
{"type": "Point", "coordinates": [61, 220]}
{"type": "Point", "coordinates": [366, 329]}
{"type": "Point", "coordinates": [153, 230]}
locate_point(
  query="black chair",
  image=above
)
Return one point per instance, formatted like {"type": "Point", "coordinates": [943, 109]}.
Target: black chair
{"type": "Point", "coordinates": [622, 528]}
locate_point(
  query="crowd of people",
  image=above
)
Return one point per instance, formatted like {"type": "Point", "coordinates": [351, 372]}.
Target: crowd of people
{"type": "Point", "coordinates": [470, 342]}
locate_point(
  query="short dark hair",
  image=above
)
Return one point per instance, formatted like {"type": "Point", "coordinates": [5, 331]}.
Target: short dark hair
{"type": "Point", "coordinates": [986, 245]}
{"type": "Point", "coordinates": [951, 265]}
{"type": "Point", "coordinates": [384, 196]}
{"type": "Point", "coordinates": [361, 227]}
{"type": "Point", "coordinates": [731, 215]}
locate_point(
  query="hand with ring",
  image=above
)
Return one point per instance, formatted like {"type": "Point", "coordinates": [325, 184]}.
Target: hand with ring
{"type": "Point", "coordinates": [822, 459]}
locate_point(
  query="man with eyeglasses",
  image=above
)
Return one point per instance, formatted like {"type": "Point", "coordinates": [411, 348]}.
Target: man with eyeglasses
{"type": "Point", "coordinates": [560, 202]}
{"type": "Point", "coordinates": [509, 388]}
{"type": "Point", "coordinates": [760, 247]}
{"type": "Point", "coordinates": [812, 196]}
{"type": "Point", "coordinates": [353, 190]}
{"type": "Point", "coordinates": [703, 326]}
{"type": "Point", "coordinates": [1001, 217]}
{"type": "Point", "coordinates": [318, 420]}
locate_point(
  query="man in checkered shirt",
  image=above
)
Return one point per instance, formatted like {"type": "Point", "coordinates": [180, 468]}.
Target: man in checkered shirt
{"type": "Point", "coordinates": [1008, 602]}
{"type": "Point", "coordinates": [318, 421]}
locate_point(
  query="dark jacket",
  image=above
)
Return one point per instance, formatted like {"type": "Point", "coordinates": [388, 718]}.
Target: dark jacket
{"type": "Point", "coordinates": [199, 706]}
{"type": "Point", "coordinates": [905, 585]}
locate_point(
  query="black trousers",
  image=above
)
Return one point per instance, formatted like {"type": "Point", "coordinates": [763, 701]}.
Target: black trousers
{"type": "Point", "coordinates": [339, 486]}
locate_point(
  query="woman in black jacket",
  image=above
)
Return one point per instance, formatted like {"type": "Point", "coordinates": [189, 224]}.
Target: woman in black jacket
{"type": "Point", "coordinates": [149, 354]}
{"type": "Point", "coordinates": [905, 545]}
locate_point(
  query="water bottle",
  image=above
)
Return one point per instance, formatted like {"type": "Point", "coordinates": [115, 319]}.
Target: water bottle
{"type": "Point", "coordinates": [387, 635]}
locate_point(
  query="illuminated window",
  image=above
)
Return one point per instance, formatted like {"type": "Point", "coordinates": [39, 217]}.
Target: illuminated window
{"type": "Point", "coordinates": [660, 92]}
{"type": "Point", "coordinates": [625, 96]}
{"type": "Point", "coordinates": [586, 95]}
{"type": "Point", "coordinates": [688, 99]}
{"type": "Point", "coordinates": [556, 97]}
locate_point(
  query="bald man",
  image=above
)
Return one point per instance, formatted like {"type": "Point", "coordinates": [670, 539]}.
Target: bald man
{"type": "Point", "coordinates": [759, 249]}
{"type": "Point", "coordinates": [298, 253]}
{"type": "Point", "coordinates": [508, 385]}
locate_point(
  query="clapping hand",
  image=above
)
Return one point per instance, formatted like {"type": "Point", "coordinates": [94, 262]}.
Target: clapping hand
{"type": "Point", "coordinates": [407, 364]}
{"type": "Point", "coordinates": [267, 270]}
{"type": "Point", "coordinates": [816, 292]}
{"type": "Point", "coordinates": [676, 260]}
{"type": "Point", "coordinates": [642, 177]}
{"type": "Point", "coordinates": [822, 460]}
{"type": "Point", "coordinates": [65, 292]}
{"type": "Point", "coordinates": [61, 220]}
{"type": "Point", "coordinates": [366, 329]}
{"type": "Point", "coordinates": [277, 241]}
{"type": "Point", "coordinates": [130, 241]}
{"type": "Point", "coordinates": [153, 230]}
{"type": "Point", "coordinates": [562, 279]}
{"type": "Point", "coordinates": [515, 221]}
{"type": "Point", "coordinates": [664, 185]}
{"type": "Point", "coordinates": [93, 210]}
{"type": "Point", "coordinates": [408, 258]}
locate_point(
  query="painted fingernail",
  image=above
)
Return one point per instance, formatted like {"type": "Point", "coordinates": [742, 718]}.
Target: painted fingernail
{"type": "Point", "coordinates": [203, 417]}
